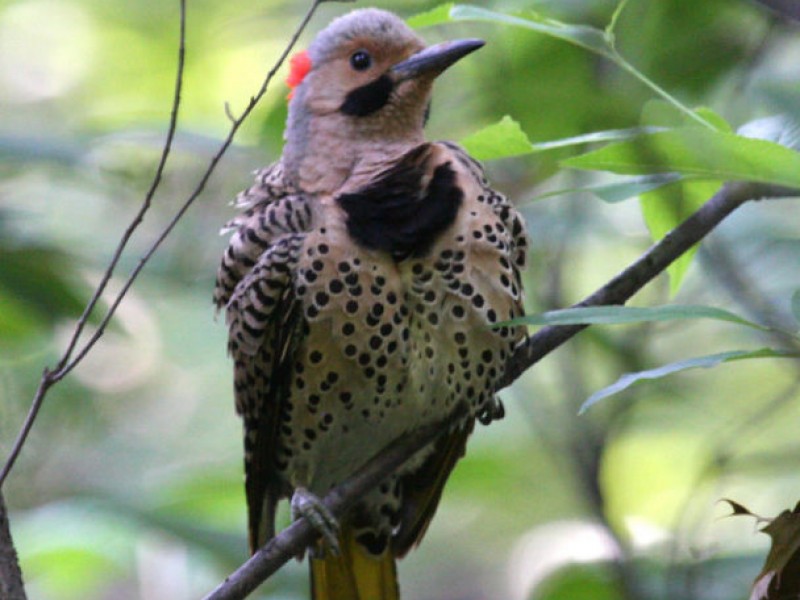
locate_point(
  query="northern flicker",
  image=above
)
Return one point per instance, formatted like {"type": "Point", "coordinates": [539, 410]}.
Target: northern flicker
{"type": "Point", "coordinates": [363, 285]}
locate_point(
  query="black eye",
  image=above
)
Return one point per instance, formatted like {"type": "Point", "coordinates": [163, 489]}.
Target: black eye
{"type": "Point", "coordinates": [360, 60]}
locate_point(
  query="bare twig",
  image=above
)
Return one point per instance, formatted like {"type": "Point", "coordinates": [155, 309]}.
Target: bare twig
{"type": "Point", "coordinates": [52, 376]}
{"type": "Point", "coordinates": [11, 587]}
{"type": "Point", "coordinates": [71, 358]}
{"type": "Point", "coordinates": [299, 535]}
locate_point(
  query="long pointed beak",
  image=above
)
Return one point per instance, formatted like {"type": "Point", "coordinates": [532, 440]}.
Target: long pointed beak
{"type": "Point", "coordinates": [434, 59]}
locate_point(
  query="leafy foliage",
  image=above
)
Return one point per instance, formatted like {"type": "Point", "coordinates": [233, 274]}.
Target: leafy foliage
{"type": "Point", "coordinates": [699, 153]}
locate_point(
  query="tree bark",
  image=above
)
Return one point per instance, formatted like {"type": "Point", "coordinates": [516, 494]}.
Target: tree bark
{"type": "Point", "coordinates": [11, 587]}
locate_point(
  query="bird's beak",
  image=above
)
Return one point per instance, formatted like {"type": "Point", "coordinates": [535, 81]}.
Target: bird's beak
{"type": "Point", "coordinates": [433, 59]}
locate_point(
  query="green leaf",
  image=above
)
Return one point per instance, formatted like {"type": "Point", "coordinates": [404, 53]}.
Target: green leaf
{"type": "Point", "coordinates": [703, 362]}
{"type": "Point", "coordinates": [608, 135]}
{"type": "Point", "coordinates": [657, 112]}
{"type": "Point", "coordinates": [621, 315]}
{"type": "Point", "coordinates": [581, 35]}
{"type": "Point", "coordinates": [501, 140]}
{"type": "Point", "coordinates": [796, 305]}
{"type": "Point", "coordinates": [435, 16]}
{"type": "Point", "coordinates": [712, 117]}
{"type": "Point", "coordinates": [506, 138]}
{"type": "Point", "coordinates": [697, 152]}
{"type": "Point", "coordinates": [666, 207]}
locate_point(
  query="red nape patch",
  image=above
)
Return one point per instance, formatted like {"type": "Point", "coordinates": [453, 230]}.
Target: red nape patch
{"type": "Point", "coordinates": [299, 66]}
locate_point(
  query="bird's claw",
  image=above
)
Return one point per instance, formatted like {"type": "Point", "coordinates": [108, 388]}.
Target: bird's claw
{"type": "Point", "coordinates": [305, 504]}
{"type": "Point", "coordinates": [493, 410]}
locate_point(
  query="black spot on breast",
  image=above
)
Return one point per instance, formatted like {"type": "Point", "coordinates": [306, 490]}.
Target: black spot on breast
{"type": "Point", "coordinates": [369, 98]}
{"type": "Point", "coordinates": [396, 214]}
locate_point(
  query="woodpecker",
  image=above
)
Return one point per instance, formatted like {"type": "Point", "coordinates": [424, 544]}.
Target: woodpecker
{"type": "Point", "coordinates": [365, 286]}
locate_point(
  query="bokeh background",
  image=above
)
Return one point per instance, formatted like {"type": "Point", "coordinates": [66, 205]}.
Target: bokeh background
{"type": "Point", "coordinates": [131, 487]}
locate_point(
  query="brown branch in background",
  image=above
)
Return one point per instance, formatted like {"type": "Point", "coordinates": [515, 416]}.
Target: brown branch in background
{"type": "Point", "coordinates": [786, 8]}
{"type": "Point", "coordinates": [293, 540]}
{"type": "Point", "coordinates": [68, 362]}
{"type": "Point", "coordinates": [622, 287]}
{"type": "Point", "coordinates": [11, 587]}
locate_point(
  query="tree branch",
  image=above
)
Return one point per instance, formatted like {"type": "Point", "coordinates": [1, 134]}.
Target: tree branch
{"type": "Point", "coordinates": [651, 264]}
{"type": "Point", "coordinates": [66, 363]}
{"type": "Point", "coordinates": [11, 587]}
{"type": "Point", "coordinates": [293, 540]}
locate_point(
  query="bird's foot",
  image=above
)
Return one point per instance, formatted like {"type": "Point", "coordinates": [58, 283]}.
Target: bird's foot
{"type": "Point", "coordinates": [305, 504]}
{"type": "Point", "coordinates": [492, 410]}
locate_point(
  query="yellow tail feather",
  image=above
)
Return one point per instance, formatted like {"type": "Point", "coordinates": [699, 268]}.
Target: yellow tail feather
{"type": "Point", "coordinates": [354, 574]}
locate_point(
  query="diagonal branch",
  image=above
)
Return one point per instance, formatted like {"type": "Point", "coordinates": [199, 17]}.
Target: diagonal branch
{"type": "Point", "coordinates": [293, 540]}
{"type": "Point", "coordinates": [66, 363]}
{"type": "Point", "coordinates": [651, 264]}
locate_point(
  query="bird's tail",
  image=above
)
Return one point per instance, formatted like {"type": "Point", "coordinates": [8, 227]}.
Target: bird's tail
{"type": "Point", "coordinates": [354, 574]}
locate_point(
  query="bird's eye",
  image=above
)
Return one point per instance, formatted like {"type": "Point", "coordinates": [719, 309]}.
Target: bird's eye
{"type": "Point", "coordinates": [360, 60]}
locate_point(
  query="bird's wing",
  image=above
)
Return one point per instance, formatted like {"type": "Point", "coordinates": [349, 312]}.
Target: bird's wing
{"type": "Point", "coordinates": [423, 488]}
{"type": "Point", "coordinates": [265, 327]}
{"type": "Point", "coordinates": [270, 208]}
{"type": "Point", "coordinates": [255, 285]}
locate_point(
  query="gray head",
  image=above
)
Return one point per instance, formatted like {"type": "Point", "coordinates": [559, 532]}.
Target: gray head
{"type": "Point", "coordinates": [369, 80]}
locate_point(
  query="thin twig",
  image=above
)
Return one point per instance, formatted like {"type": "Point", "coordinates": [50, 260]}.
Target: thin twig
{"type": "Point", "coordinates": [52, 376]}
{"type": "Point", "coordinates": [299, 535]}
{"type": "Point", "coordinates": [68, 362]}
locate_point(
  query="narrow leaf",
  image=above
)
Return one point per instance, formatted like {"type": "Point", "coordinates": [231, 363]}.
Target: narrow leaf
{"type": "Point", "coordinates": [506, 138]}
{"type": "Point", "coordinates": [618, 191]}
{"type": "Point", "coordinates": [609, 135]}
{"type": "Point", "coordinates": [581, 35]}
{"type": "Point", "coordinates": [698, 152]}
{"type": "Point", "coordinates": [704, 362]}
{"type": "Point", "coordinates": [714, 118]}
{"type": "Point", "coordinates": [623, 315]}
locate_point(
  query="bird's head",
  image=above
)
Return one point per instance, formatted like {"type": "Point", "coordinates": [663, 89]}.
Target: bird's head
{"type": "Point", "coordinates": [360, 94]}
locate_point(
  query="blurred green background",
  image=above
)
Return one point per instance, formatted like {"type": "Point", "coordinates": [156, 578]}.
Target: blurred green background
{"type": "Point", "coordinates": [131, 485]}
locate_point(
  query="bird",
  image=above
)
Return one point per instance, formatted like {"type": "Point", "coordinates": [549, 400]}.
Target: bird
{"type": "Point", "coordinates": [367, 286]}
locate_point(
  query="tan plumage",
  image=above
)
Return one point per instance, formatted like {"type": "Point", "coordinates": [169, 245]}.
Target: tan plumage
{"type": "Point", "coordinates": [361, 286]}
